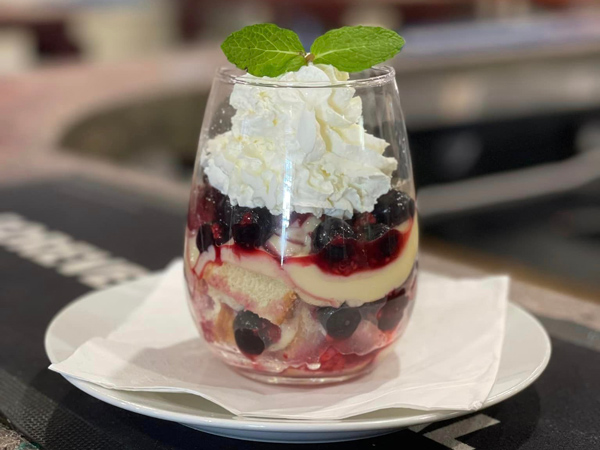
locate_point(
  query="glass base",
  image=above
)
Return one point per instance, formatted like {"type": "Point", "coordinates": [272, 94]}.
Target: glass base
{"type": "Point", "coordinates": [301, 380]}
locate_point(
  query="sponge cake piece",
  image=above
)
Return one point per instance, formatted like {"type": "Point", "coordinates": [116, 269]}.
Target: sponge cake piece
{"type": "Point", "coordinates": [265, 296]}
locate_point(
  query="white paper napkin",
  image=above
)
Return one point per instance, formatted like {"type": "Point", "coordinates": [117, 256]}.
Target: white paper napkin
{"type": "Point", "coordinates": [447, 359]}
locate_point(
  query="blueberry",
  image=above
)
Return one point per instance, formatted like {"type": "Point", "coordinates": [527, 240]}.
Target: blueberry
{"type": "Point", "coordinates": [340, 323]}
{"type": "Point", "coordinates": [204, 238]}
{"type": "Point", "coordinates": [225, 212]}
{"type": "Point", "coordinates": [361, 220]}
{"type": "Point", "coordinates": [253, 333]}
{"type": "Point", "coordinates": [369, 311]}
{"type": "Point", "coordinates": [338, 250]}
{"type": "Point", "coordinates": [391, 313]}
{"type": "Point", "coordinates": [374, 231]}
{"type": "Point", "coordinates": [334, 239]}
{"type": "Point", "coordinates": [382, 242]}
{"type": "Point", "coordinates": [251, 228]}
{"type": "Point", "coordinates": [221, 234]}
{"type": "Point", "coordinates": [249, 342]}
{"type": "Point", "coordinates": [210, 206]}
{"type": "Point", "coordinates": [331, 229]}
{"type": "Point", "coordinates": [394, 208]}
{"type": "Point", "coordinates": [211, 234]}
{"type": "Point", "coordinates": [201, 207]}
{"type": "Point", "coordinates": [389, 243]}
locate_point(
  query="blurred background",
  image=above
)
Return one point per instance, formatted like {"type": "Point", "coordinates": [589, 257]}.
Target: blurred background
{"type": "Point", "coordinates": [501, 98]}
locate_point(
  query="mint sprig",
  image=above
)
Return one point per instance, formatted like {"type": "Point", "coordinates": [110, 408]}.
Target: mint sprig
{"type": "Point", "coordinates": [353, 49]}
{"type": "Point", "coordinates": [267, 50]}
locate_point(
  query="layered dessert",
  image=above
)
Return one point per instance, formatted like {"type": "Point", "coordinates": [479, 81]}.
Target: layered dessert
{"type": "Point", "coordinates": [301, 242]}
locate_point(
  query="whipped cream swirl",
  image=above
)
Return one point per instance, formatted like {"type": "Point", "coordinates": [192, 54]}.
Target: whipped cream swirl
{"type": "Point", "coordinates": [299, 149]}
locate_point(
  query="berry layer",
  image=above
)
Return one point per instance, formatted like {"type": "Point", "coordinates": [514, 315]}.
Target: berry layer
{"type": "Point", "coordinates": [312, 284]}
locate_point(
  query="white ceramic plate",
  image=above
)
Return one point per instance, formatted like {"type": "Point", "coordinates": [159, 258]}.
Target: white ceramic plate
{"type": "Point", "coordinates": [525, 354]}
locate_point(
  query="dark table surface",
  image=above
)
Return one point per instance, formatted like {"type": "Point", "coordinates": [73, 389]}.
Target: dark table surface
{"type": "Point", "coordinates": [561, 410]}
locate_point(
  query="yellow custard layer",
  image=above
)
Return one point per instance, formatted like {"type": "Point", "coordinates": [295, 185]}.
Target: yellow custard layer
{"type": "Point", "coordinates": [319, 288]}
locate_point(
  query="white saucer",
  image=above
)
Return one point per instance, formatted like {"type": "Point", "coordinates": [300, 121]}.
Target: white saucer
{"type": "Point", "coordinates": [525, 354]}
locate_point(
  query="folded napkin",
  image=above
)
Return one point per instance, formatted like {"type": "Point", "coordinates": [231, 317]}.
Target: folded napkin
{"type": "Point", "coordinates": [447, 359]}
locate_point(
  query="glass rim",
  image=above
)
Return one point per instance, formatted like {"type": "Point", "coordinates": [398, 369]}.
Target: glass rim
{"type": "Point", "coordinates": [383, 74]}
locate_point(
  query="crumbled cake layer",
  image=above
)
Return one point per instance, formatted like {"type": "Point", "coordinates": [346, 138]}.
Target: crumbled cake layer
{"type": "Point", "coordinates": [267, 297]}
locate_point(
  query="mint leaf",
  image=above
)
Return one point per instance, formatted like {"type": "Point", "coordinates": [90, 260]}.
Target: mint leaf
{"type": "Point", "coordinates": [265, 50]}
{"type": "Point", "coordinates": [353, 49]}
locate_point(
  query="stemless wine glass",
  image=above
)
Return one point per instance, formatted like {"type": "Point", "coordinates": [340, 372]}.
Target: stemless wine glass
{"type": "Point", "coordinates": [302, 236]}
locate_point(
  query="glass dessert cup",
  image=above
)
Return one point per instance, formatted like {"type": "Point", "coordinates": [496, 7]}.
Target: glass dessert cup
{"type": "Point", "coordinates": [302, 235]}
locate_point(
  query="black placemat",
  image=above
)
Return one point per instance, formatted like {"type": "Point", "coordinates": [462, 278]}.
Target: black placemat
{"type": "Point", "coordinates": [559, 411]}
